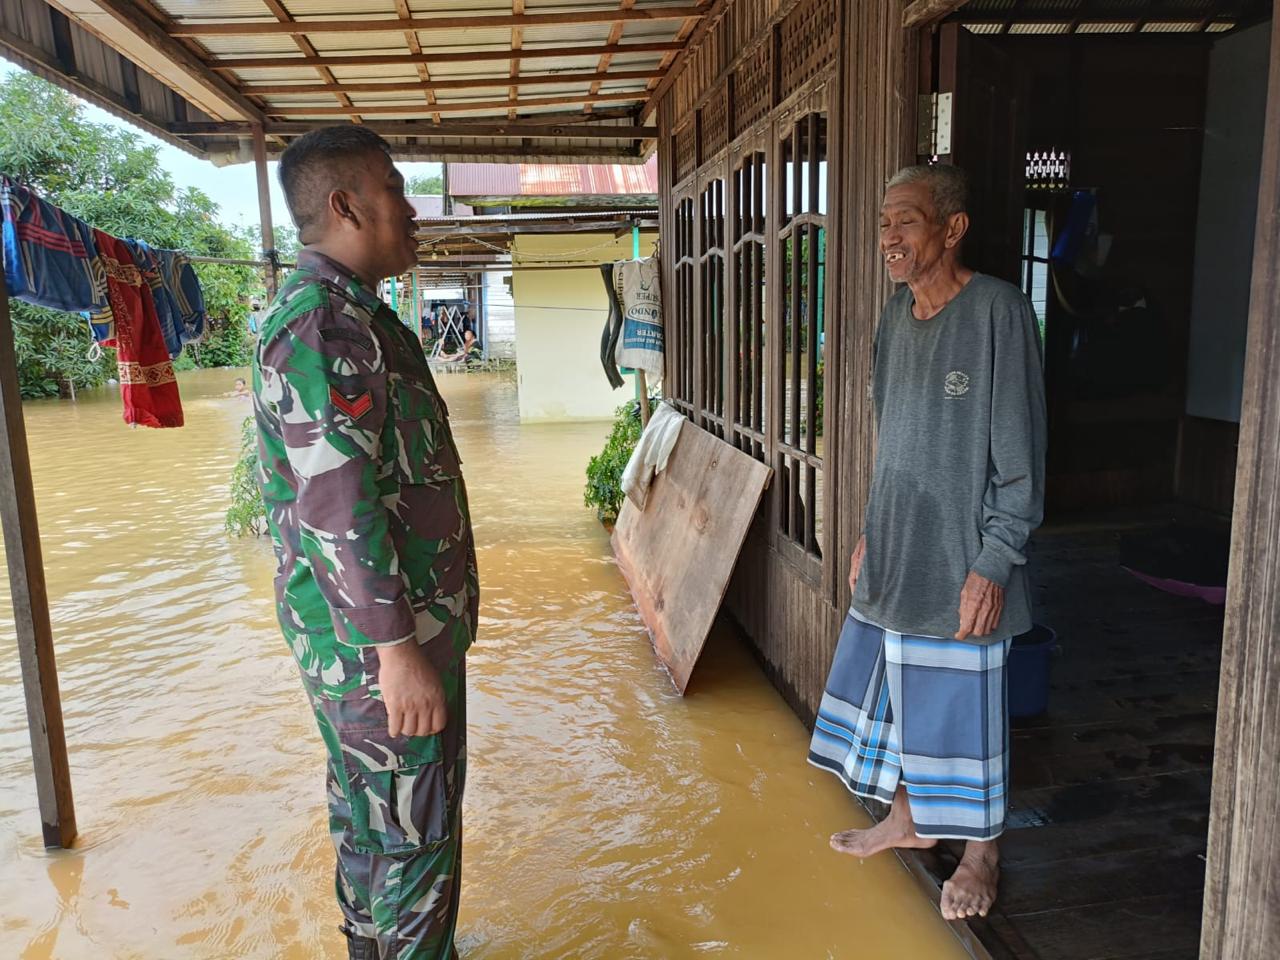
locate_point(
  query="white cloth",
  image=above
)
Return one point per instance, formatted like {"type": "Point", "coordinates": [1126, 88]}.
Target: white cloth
{"type": "Point", "coordinates": [651, 453]}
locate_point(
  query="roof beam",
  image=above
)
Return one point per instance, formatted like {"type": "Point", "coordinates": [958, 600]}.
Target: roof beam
{"type": "Point", "coordinates": [251, 28]}
{"type": "Point", "coordinates": [477, 56]}
{"type": "Point", "coordinates": [428, 131]}
{"type": "Point", "coordinates": [615, 35]}
{"type": "Point", "coordinates": [695, 37]}
{"type": "Point", "coordinates": [382, 110]}
{"type": "Point", "coordinates": [538, 153]}
{"type": "Point", "coordinates": [278, 10]}
{"type": "Point", "coordinates": [517, 41]}
{"type": "Point", "coordinates": [411, 38]}
{"type": "Point", "coordinates": [464, 233]}
{"type": "Point", "coordinates": [466, 83]}
{"type": "Point", "coordinates": [129, 16]}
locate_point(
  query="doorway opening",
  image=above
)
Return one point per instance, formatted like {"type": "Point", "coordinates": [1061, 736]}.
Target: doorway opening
{"type": "Point", "coordinates": [1114, 167]}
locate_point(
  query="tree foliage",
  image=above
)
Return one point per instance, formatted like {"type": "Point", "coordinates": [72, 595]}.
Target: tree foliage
{"type": "Point", "coordinates": [247, 514]}
{"type": "Point", "coordinates": [604, 471]}
{"type": "Point", "coordinates": [432, 185]}
{"type": "Point", "coordinates": [111, 179]}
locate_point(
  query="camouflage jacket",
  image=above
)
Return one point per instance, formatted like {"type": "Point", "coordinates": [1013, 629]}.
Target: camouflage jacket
{"type": "Point", "coordinates": [360, 477]}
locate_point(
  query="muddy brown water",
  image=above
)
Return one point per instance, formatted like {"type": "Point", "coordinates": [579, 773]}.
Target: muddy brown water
{"type": "Point", "coordinates": [606, 817]}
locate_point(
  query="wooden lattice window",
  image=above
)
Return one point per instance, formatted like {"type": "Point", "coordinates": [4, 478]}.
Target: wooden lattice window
{"type": "Point", "coordinates": [684, 151]}
{"type": "Point", "coordinates": [752, 89]}
{"type": "Point", "coordinates": [802, 242]}
{"type": "Point", "coordinates": [808, 41]}
{"type": "Point", "coordinates": [711, 271]}
{"type": "Point", "coordinates": [715, 125]}
{"type": "Point", "coordinates": [682, 308]}
{"type": "Point", "coordinates": [747, 270]}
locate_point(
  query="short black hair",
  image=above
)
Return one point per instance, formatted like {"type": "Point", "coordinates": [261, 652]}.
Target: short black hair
{"type": "Point", "coordinates": [319, 162]}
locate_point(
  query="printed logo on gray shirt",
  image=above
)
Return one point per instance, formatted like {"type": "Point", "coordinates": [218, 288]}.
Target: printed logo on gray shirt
{"type": "Point", "coordinates": [956, 384]}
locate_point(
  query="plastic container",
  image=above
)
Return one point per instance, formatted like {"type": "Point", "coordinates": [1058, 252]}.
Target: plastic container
{"type": "Point", "coordinates": [1027, 673]}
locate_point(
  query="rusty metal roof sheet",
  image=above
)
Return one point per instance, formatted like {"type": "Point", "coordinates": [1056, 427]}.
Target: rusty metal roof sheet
{"type": "Point", "coordinates": [552, 179]}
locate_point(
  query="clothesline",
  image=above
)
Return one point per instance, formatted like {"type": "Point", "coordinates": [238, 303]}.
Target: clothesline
{"type": "Point", "coordinates": [230, 261]}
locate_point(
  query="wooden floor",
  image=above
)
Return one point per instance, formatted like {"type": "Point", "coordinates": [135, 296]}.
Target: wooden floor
{"type": "Point", "coordinates": [1104, 855]}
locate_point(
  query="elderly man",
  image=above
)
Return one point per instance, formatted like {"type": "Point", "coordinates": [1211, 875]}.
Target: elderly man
{"type": "Point", "coordinates": [914, 711]}
{"type": "Point", "coordinates": [377, 588]}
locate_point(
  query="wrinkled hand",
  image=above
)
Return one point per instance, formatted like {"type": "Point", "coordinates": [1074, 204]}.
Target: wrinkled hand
{"type": "Point", "coordinates": [412, 691]}
{"type": "Point", "coordinates": [855, 563]}
{"type": "Point", "coordinates": [981, 603]}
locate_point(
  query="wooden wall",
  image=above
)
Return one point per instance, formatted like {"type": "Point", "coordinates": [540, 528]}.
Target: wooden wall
{"type": "Point", "coordinates": [851, 59]}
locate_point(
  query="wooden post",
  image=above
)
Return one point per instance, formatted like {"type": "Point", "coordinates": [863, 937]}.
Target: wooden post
{"type": "Point", "coordinates": [642, 381]}
{"type": "Point", "coordinates": [264, 208]}
{"type": "Point", "coordinates": [642, 394]}
{"type": "Point", "coordinates": [31, 604]}
{"type": "Point", "coordinates": [417, 303]}
{"type": "Point", "coordinates": [1242, 889]}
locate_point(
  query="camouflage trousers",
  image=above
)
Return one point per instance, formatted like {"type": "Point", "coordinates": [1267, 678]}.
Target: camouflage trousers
{"type": "Point", "coordinates": [395, 811]}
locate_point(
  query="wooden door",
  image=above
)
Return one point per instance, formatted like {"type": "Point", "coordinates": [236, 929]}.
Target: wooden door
{"type": "Point", "coordinates": [988, 140]}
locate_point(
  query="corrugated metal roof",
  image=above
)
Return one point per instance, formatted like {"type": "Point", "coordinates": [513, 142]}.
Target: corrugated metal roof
{"type": "Point", "coordinates": [1166, 26]}
{"type": "Point", "coordinates": [197, 9]}
{"type": "Point", "coordinates": [1040, 29]}
{"type": "Point", "coordinates": [568, 35]}
{"type": "Point", "coordinates": [254, 46]}
{"type": "Point", "coordinates": [432, 205]}
{"type": "Point", "coordinates": [552, 179]}
{"type": "Point", "coordinates": [488, 79]}
{"type": "Point", "coordinates": [428, 7]}
{"type": "Point", "coordinates": [302, 9]}
{"type": "Point", "coordinates": [1105, 28]}
{"type": "Point", "coordinates": [404, 72]}
{"type": "Point", "coordinates": [362, 42]}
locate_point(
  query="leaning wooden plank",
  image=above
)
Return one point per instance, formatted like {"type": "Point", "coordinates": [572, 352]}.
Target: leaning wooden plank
{"type": "Point", "coordinates": [31, 603]}
{"type": "Point", "coordinates": [678, 553]}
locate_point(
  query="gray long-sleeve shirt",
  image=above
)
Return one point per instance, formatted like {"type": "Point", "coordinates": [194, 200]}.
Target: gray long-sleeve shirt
{"type": "Point", "coordinates": [958, 483]}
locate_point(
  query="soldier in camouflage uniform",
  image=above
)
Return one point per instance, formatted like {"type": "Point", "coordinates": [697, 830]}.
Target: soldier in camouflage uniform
{"type": "Point", "coordinates": [377, 589]}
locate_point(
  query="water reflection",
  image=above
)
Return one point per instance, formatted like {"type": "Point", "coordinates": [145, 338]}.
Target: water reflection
{"type": "Point", "coordinates": [606, 817]}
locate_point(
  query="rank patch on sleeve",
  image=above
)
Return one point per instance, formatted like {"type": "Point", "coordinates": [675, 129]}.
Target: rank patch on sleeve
{"type": "Point", "coordinates": [355, 407]}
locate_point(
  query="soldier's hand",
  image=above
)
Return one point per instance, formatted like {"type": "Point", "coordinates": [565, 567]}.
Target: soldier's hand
{"type": "Point", "coordinates": [412, 691]}
{"type": "Point", "coordinates": [981, 603]}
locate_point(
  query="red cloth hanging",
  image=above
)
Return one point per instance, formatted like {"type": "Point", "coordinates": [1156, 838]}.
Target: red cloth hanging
{"type": "Point", "coordinates": [147, 383]}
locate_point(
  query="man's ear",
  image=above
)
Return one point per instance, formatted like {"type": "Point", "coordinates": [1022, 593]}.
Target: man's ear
{"type": "Point", "coordinates": [341, 207]}
{"type": "Point", "coordinates": [957, 227]}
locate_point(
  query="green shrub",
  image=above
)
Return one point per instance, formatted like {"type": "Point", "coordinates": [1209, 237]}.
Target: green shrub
{"type": "Point", "coordinates": [604, 471]}
{"type": "Point", "coordinates": [247, 516]}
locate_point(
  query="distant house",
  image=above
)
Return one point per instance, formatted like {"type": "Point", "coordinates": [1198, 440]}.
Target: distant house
{"type": "Point", "coordinates": [558, 222]}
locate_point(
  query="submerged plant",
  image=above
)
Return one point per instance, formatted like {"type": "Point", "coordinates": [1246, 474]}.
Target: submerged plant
{"type": "Point", "coordinates": [604, 471]}
{"type": "Point", "coordinates": [247, 515]}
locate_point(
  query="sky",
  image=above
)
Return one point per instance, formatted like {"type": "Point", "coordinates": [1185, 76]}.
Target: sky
{"type": "Point", "coordinates": [234, 188]}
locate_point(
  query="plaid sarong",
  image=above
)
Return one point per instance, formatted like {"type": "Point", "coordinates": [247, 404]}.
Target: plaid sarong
{"type": "Point", "coordinates": [928, 711]}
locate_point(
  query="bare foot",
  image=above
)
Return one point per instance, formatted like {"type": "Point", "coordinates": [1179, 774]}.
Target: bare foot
{"type": "Point", "coordinates": [895, 830]}
{"type": "Point", "coordinates": [972, 888]}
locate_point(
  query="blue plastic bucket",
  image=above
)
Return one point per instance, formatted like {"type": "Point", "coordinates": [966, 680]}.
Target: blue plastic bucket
{"type": "Point", "coordinates": [1027, 673]}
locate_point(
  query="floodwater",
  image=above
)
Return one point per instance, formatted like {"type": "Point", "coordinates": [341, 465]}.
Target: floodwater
{"type": "Point", "coordinates": [606, 817]}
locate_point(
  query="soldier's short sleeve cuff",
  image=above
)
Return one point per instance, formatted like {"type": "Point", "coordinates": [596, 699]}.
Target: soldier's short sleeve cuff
{"type": "Point", "coordinates": [380, 624]}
